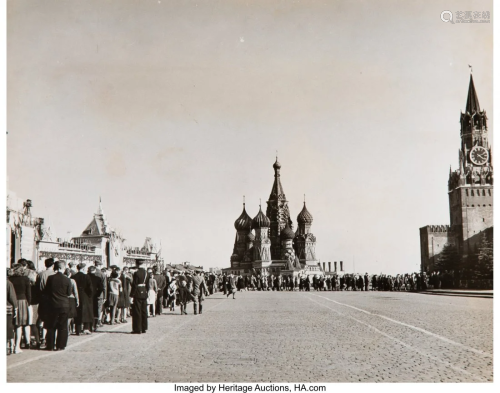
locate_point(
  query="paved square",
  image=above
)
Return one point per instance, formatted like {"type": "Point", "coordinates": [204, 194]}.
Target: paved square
{"type": "Point", "coordinates": [286, 337]}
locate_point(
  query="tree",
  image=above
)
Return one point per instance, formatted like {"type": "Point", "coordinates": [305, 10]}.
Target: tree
{"type": "Point", "coordinates": [484, 266]}
{"type": "Point", "coordinates": [448, 259]}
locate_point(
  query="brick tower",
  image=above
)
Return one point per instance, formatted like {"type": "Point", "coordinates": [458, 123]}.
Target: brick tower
{"type": "Point", "coordinates": [470, 188]}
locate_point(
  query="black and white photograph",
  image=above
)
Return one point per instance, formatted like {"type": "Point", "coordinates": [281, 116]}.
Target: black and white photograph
{"type": "Point", "coordinates": [249, 195]}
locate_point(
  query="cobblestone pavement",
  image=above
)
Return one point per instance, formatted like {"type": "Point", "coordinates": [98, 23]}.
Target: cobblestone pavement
{"type": "Point", "coordinates": [286, 337]}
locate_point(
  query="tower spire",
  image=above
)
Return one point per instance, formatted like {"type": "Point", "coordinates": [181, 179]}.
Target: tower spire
{"type": "Point", "coordinates": [99, 211]}
{"type": "Point", "coordinates": [277, 187]}
{"type": "Point", "coordinates": [472, 100]}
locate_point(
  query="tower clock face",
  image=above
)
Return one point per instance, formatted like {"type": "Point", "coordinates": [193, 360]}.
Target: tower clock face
{"type": "Point", "coordinates": [479, 155]}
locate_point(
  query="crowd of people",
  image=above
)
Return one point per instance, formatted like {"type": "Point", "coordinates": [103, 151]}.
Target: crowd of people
{"type": "Point", "coordinates": [45, 307]}
{"type": "Point", "coordinates": [320, 282]}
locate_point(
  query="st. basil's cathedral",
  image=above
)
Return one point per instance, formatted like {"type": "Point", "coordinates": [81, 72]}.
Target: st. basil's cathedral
{"type": "Point", "coordinates": [268, 244]}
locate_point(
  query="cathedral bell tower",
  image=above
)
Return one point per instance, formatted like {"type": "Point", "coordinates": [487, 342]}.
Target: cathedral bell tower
{"type": "Point", "coordinates": [470, 188]}
{"type": "Point", "coordinates": [278, 213]}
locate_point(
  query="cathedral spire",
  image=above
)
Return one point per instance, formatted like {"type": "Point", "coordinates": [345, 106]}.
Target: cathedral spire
{"type": "Point", "coordinates": [472, 100]}
{"type": "Point", "coordinates": [99, 210]}
{"type": "Point", "coordinates": [278, 213]}
{"type": "Point", "coordinates": [277, 187]}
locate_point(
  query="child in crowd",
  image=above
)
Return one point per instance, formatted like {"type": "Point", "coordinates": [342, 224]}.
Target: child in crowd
{"type": "Point", "coordinates": [115, 287]}
{"type": "Point", "coordinates": [172, 289]}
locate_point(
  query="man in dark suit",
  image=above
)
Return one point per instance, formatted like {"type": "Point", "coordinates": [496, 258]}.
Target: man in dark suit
{"type": "Point", "coordinates": [199, 290]}
{"type": "Point", "coordinates": [101, 298]}
{"type": "Point", "coordinates": [161, 282]}
{"type": "Point", "coordinates": [57, 290]}
{"type": "Point", "coordinates": [224, 283]}
{"type": "Point", "coordinates": [40, 283]}
{"type": "Point", "coordinates": [97, 296]}
{"type": "Point", "coordinates": [139, 292]}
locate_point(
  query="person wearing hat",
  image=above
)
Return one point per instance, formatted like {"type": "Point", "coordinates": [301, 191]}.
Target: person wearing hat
{"type": "Point", "coordinates": [85, 314]}
{"type": "Point", "coordinates": [139, 292]}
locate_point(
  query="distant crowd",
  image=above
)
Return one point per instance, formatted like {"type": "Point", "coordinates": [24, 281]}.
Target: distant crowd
{"type": "Point", "coordinates": [319, 282]}
{"type": "Point", "coordinates": [45, 307]}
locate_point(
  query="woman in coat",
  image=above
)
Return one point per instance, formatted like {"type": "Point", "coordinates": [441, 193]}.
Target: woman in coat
{"type": "Point", "coordinates": [22, 320]}
{"type": "Point", "coordinates": [124, 301]}
{"type": "Point", "coordinates": [85, 313]}
{"type": "Point", "coordinates": [231, 285]}
{"type": "Point", "coordinates": [240, 284]}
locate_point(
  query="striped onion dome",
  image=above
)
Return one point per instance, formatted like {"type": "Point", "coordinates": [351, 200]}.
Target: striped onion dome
{"type": "Point", "coordinates": [304, 216]}
{"type": "Point", "coordinates": [244, 221]}
{"type": "Point", "coordinates": [261, 220]}
{"type": "Point", "coordinates": [287, 233]}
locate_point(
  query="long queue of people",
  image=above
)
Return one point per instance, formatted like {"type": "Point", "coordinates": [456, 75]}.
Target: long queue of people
{"type": "Point", "coordinates": [44, 308]}
{"type": "Point", "coordinates": [335, 282]}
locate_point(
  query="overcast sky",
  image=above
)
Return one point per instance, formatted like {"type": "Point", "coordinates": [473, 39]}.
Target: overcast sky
{"type": "Point", "coordinates": [171, 111]}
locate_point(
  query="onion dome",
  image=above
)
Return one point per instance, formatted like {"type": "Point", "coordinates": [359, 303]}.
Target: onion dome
{"type": "Point", "coordinates": [287, 233]}
{"type": "Point", "coordinates": [250, 237]}
{"type": "Point", "coordinates": [244, 221]}
{"type": "Point", "coordinates": [277, 165]}
{"type": "Point", "coordinates": [261, 220]}
{"type": "Point", "coordinates": [304, 216]}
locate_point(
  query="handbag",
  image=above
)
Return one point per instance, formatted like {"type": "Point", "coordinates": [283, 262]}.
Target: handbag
{"type": "Point", "coordinates": [141, 291]}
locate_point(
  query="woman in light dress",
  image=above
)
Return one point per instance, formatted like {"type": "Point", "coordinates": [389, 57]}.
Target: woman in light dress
{"type": "Point", "coordinates": [152, 291]}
